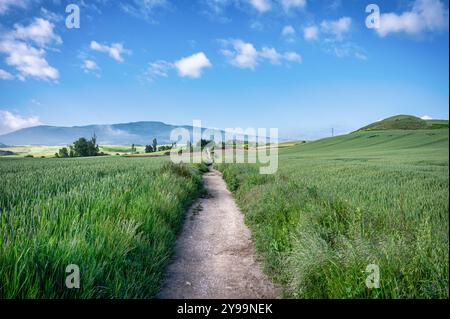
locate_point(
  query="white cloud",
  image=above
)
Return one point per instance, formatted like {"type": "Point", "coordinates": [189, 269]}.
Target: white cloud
{"type": "Point", "coordinates": [29, 61]}
{"type": "Point", "coordinates": [115, 50]}
{"type": "Point", "coordinates": [425, 15]}
{"type": "Point", "coordinates": [271, 54]}
{"type": "Point", "coordinates": [40, 31]}
{"type": "Point", "coordinates": [193, 65]}
{"type": "Point", "coordinates": [11, 122]}
{"type": "Point", "coordinates": [90, 66]}
{"type": "Point", "coordinates": [311, 33]}
{"type": "Point", "coordinates": [293, 4]}
{"type": "Point", "coordinates": [245, 56]}
{"type": "Point", "coordinates": [5, 5]}
{"type": "Point", "coordinates": [337, 28]}
{"type": "Point", "coordinates": [288, 31]}
{"type": "Point", "coordinates": [261, 5]}
{"type": "Point", "coordinates": [4, 75]}
{"type": "Point", "coordinates": [426, 117]}
{"type": "Point", "coordinates": [276, 58]}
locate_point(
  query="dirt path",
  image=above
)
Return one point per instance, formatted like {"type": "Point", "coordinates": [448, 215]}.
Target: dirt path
{"type": "Point", "coordinates": [214, 255]}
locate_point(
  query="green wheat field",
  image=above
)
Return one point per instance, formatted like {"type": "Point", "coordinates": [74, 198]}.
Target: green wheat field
{"type": "Point", "coordinates": [339, 204]}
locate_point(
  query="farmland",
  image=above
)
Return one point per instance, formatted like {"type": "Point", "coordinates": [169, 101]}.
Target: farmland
{"type": "Point", "coordinates": [49, 151]}
{"type": "Point", "coordinates": [114, 217]}
{"type": "Point", "coordinates": [339, 204]}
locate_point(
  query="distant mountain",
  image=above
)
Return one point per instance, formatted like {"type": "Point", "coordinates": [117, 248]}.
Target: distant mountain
{"type": "Point", "coordinates": [3, 145]}
{"type": "Point", "coordinates": [405, 122]}
{"type": "Point", "coordinates": [4, 153]}
{"type": "Point", "coordinates": [140, 133]}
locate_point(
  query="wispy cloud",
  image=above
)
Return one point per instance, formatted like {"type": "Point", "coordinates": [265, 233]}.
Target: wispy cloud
{"type": "Point", "coordinates": [115, 50]}
{"type": "Point", "coordinates": [5, 75]}
{"type": "Point", "coordinates": [144, 9]}
{"type": "Point", "coordinates": [90, 66]}
{"type": "Point", "coordinates": [158, 68]}
{"type": "Point", "coordinates": [293, 4]}
{"type": "Point", "coordinates": [288, 33]}
{"type": "Point", "coordinates": [334, 36]}
{"type": "Point", "coordinates": [6, 5]}
{"type": "Point", "coordinates": [244, 55]}
{"type": "Point", "coordinates": [336, 28]}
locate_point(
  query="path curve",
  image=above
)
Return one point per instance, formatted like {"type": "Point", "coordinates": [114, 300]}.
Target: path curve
{"type": "Point", "coordinates": [214, 255]}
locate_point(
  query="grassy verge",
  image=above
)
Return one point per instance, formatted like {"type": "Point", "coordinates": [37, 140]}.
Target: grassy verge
{"type": "Point", "coordinates": [337, 205]}
{"type": "Point", "coordinates": [116, 218]}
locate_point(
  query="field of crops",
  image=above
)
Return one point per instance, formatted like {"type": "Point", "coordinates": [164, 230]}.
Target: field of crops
{"type": "Point", "coordinates": [116, 218]}
{"type": "Point", "coordinates": [340, 204]}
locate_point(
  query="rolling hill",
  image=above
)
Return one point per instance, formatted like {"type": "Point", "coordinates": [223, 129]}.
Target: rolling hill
{"type": "Point", "coordinates": [405, 122]}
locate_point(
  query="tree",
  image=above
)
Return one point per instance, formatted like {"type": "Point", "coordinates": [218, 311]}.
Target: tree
{"type": "Point", "coordinates": [155, 144]}
{"type": "Point", "coordinates": [93, 149]}
{"type": "Point", "coordinates": [190, 147]}
{"type": "Point", "coordinates": [63, 153]}
{"type": "Point", "coordinates": [81, 148]}
{"type": "Point", "coordinates": [148, 149]}
{"type": "Point", "coordinates": [133, 148]}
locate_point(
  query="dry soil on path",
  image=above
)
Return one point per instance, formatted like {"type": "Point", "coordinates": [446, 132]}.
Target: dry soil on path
{"type": "Point", "coordinates": [214, 255]}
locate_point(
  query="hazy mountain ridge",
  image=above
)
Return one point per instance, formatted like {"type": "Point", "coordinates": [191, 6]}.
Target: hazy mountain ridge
{"type": "Point", "coordinates": [114, 134]}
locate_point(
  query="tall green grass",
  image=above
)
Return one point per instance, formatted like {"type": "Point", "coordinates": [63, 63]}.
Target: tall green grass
{"type": "Point", "coordinates": [116, 218]}
{"type": "Point", "coordinates": [339, 204]}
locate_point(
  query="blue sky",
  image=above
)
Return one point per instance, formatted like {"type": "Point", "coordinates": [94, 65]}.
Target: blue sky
{"type": "Point", "coordinates": [303, 66]}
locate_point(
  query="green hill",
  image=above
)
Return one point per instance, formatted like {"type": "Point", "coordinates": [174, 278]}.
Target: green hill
{"type": "Point", "coordinates": [427, 142]}
{"type": "Point", "coordinates": [405, 122]}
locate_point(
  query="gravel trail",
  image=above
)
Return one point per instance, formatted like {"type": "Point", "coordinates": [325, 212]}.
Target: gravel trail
{"type": "Point", "coordinates": [214, 255]}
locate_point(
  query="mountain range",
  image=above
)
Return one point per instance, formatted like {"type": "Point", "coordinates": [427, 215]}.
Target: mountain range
{"type": "Point", "coordinates": [139, 133]}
